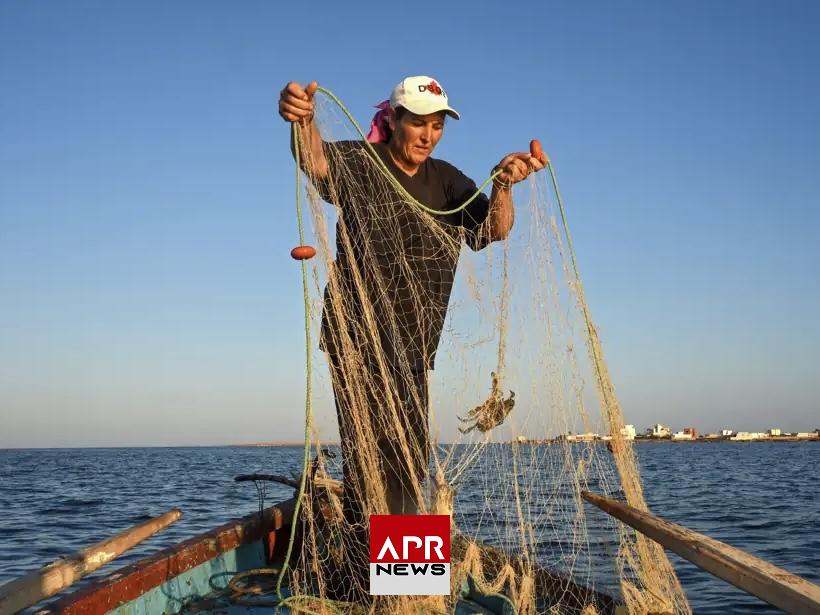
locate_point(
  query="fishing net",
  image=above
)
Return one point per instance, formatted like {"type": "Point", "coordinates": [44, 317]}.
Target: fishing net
{"type": "Point", "coordinates": [457, 370]}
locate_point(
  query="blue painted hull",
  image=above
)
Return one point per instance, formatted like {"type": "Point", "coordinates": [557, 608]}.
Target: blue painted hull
{"type": "Point", "coordinates": [194, 576]}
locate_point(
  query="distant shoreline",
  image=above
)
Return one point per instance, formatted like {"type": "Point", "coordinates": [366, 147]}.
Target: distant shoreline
{"type": "Point", "coordinates": [555, 441]}
{"type": "Point", "coordinates": [676, 441]}
{"type": "Point", "coordinates": [336, 444]}
{"type": "Point", "coordinates": [719, 440]}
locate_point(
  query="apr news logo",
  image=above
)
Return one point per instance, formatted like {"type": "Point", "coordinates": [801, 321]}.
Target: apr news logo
{"type": "Point", "coordinates": [409, 555]}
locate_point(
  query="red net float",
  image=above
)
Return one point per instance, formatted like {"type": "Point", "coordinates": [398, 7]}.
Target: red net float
{"type": "Point", "coordinates": [537, 151]}
{"type": "Point", "coordinates": [301, 253]}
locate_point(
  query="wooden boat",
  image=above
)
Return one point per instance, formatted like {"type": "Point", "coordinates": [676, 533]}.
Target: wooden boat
{"type": "Point", "coordinates": [195, 575]}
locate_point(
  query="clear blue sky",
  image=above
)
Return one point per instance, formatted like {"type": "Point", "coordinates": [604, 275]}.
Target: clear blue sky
{"type": "Point", "coordinates": [146, 292]}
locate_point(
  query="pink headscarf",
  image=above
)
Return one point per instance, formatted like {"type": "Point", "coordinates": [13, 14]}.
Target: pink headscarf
{"type": "Point", "coordinates": [379, 128]}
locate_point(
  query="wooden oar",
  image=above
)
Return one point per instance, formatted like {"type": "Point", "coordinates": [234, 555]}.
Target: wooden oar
{"type": "Point", "coordinates": [774, 585]}
{"type": "Point", "coordinates": [40, 584]}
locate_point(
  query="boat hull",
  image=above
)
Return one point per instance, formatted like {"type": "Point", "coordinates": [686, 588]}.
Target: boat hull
{"type": "Point", "coordinates": [193, 576]}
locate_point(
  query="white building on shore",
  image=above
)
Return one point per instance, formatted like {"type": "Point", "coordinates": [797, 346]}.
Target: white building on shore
{"type": "Point", "coordinates": [682, 435]}
{"type": "Point", "coordinates": [659, 431]}
{"type": "Point", "coordinates": [744, 436]}
{"type": "Point", "coordinates": [582, 437]}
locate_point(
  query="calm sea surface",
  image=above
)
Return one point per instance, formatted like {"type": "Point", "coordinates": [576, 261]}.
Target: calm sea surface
{"type": "Point", "coordinates": [760, 497]}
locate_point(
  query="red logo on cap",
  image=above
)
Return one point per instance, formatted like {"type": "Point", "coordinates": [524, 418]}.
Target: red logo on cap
{"type": "Point", "coordinates": [434, 88]}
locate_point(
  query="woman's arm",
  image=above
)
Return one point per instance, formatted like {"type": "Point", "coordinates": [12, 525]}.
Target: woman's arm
{"type": "Point", "coordinates": [514, 168]}
{"type": "Point", "coordinates": [296, 105]}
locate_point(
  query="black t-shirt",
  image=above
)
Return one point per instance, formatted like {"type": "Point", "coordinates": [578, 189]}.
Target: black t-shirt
{"type": "Point", "coordinates": [403, 258]}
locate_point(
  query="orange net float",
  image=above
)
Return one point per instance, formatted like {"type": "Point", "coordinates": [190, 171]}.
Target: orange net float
{"type": "Point", "coordinates": [301, 253]}
{"type": "Point", "coordinates": [537, 151]}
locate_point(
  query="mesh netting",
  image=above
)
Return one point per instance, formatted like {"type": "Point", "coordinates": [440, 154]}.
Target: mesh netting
{"type": "Point", "coordinates": [455, 367]}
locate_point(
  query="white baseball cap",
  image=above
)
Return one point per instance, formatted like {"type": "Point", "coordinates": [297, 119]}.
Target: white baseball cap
{"type": "Point", "coordinates": [421, 95]}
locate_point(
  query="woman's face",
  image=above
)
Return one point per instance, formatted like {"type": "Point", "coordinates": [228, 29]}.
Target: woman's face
{"type": "Point", "coordinates": [414, 137]}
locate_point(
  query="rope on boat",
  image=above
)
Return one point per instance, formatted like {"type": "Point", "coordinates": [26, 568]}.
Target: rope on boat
{"type": "Point", "coordinates": [240, 592]}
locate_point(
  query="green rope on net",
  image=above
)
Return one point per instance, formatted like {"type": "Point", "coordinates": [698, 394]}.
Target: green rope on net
{"type": "Point", "coordinates": [308, 369]}
{"type": "Point", "coordinates": [597, 360]}
{"type": "Point", "coordinates": [371, 151]}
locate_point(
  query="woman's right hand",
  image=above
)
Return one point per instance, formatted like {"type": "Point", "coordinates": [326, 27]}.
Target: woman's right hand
{"type": "Point", "coordinates": [296, 102]}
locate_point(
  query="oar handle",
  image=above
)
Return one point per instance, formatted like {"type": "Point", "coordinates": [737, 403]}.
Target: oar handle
{"type": "Point", "coordinates": [753, 575]}
{"type": "Point", "coordinates": [47, 581]}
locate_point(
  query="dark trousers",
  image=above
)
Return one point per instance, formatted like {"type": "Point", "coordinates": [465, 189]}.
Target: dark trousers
{"type": "Point", "coordinates": [385, 449]}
